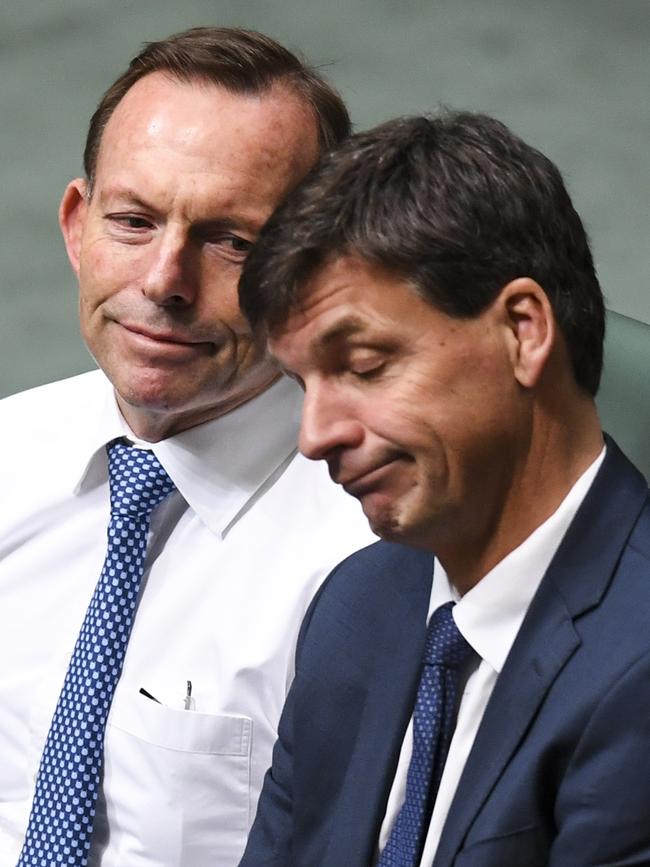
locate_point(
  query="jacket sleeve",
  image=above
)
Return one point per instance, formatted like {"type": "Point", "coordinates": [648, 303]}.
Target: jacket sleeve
{"type": "Point", "coordinates": [603, 807]}
{"type": "Point", "coordinates": [270, 839]}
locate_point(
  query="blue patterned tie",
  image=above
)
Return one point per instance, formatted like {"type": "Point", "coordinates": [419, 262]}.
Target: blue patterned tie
{"type": "Point", "coordinates": [63, 809]}
{"type": "Point", "coordinates": [434, 718]}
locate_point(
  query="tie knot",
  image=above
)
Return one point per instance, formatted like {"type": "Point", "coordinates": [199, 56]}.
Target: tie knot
{"type": "Point", "coordinates": [444, 643]}
{"type": "Point", "coordinates": [137, 480]}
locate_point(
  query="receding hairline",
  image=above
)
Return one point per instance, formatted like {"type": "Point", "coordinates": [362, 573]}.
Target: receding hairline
{"type": "Point", "coordinates": [202, 81]}
{"type": "Point", "coordinates": [238, 59]}
{"type": "Point", "coordinates": [280, 86]}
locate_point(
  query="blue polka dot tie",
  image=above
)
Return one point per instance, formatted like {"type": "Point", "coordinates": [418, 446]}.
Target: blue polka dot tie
{"type": "Point", "coordinates": [434, 718]}
{"type": "Point", "coordinates": [63, 809]}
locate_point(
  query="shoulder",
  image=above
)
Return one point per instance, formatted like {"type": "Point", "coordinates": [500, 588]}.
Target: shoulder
{"type": "Point", "coordinates": [373, 589]}
{"type": "Point", "coordinates": [47, 414]}
{"type": "Point", "coordinates": [640, 536]}
{"type": "Point", "coordinates": [382, 572]}
{"type": "Point", "coordinates": [52, 398]}
{"type": "Point", "coordinates": [615, 517]}
{"type": "Point", "coordinates": [384, 561]}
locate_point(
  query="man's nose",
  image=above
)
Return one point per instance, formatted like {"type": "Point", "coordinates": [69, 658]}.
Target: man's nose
{"type": "Point", "coordinates": [171, 278]}
{"type": "Point", "coordinates": [328, 424]}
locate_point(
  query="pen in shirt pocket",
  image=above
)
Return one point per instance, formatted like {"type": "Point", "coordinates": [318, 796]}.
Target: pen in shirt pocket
{"type": "Point", "coordinates": [188, 701]}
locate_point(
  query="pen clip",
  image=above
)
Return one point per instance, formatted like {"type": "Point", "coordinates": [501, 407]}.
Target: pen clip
{"type": "Point", "coordinates": [189, 701]}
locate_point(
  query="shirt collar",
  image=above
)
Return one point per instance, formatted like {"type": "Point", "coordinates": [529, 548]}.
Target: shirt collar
{"type": "Point", "coordinates": [490, 615]}
{"type": "Point", "coordinates": [98, 422]}
{"type": "Point", "coordinates": [220, 467]}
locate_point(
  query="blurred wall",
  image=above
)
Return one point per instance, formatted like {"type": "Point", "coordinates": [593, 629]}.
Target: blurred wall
{"type": "Point", "coordinates": [570, 76]}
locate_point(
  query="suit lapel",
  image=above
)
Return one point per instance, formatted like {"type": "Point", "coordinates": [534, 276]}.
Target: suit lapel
{"type": "Point", "coordinates": [389, 702]}
{"type": "Point", "coordinates": [530, 670]}
{"type": "Point", "coordinates": [576, 581]}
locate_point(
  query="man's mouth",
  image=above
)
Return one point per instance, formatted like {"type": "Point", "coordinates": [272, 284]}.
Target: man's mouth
{"type": "Point", "coordinates": [362, 482]}
{"type": "Point", "coordinates": [159, 336]}
{"type": "Point", "coordinates": [164, 340]}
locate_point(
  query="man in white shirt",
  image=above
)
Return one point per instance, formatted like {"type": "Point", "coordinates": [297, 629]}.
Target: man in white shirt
{"type": "Point", "coordinates": [187, 155]}
{"type": "Point", "coordinates": [481, 698]}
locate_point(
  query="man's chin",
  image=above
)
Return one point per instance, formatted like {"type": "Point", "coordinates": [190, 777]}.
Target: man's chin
{"type": "Point", "coordinates": [151, 410]}
{"type": "Point", "coordinates": [392, 522]}
{"type": "Point", "coordinates": [383, 518]}
{"type": "Point", "coordinates": [152, 389]}
{"type": "Point", "coordinates": [146, 400]}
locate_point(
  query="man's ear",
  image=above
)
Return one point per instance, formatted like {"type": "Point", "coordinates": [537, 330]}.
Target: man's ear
{"type": "Point", "coordinates": [73, 211]}
{"type": "Point", "coordinates": [531, 328]}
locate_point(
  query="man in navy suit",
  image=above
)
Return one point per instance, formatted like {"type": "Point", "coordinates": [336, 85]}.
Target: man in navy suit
{"type": "Point", "coordinates": [431, 287]}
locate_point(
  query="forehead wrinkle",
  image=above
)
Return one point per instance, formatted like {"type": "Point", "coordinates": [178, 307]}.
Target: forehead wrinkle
{"type": "Point", "coordinates": [119, 191]}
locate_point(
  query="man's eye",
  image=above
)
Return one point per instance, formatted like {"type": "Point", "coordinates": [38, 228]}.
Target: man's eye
{"type": "Point", "coordinates": [232, 247]}
{"type": "Point", "coordinates": [130, 221]}
{"type": "Point", "coordinates": [367, 369]}
{"type": "Point", "coordinates": [237, 244]}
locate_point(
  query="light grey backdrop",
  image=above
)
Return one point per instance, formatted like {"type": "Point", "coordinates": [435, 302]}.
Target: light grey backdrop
{"type": "Point", "coordinates": [571, 76]}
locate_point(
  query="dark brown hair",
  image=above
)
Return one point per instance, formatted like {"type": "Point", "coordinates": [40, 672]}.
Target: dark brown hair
{"type": "Point", "coordinates": [241, 61]}
{"type": "Point", "coordinates": [458, 206]}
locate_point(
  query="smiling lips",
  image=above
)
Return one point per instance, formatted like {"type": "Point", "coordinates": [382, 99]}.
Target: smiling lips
{"type": "Point", "coordinates": [163, 340]}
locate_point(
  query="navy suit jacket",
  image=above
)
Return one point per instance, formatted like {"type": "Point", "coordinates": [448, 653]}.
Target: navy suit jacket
{"type": "Point", "coordinates": [559, 773]}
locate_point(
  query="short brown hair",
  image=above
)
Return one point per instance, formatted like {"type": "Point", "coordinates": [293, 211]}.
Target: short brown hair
{"type": "Point", "coordinates": [241, 61]}
{"type": "Point", "coordinates": [457, 205]}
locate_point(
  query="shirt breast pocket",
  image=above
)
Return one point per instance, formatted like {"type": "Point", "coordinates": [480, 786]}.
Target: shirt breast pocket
{"type": "Point", "coordinates": [176, 785]}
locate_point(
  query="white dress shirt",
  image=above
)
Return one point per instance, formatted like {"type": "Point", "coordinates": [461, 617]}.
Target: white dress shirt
{"type": "Point", "coordinates": [489, 617]}
{"type": "Point", "coordinates": [234, 557]}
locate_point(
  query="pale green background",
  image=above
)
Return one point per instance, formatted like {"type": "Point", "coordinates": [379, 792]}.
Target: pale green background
{"type": "Point", "coordinates": [571, 76]}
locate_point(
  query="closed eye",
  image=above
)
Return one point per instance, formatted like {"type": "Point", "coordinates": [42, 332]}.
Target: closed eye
{"type": "Point", "coordinates": [365, 365]}
{"type": "Point", "coordinates": [368, 373]}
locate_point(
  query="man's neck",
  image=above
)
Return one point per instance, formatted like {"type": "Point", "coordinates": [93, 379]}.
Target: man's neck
{"type": "Point", "coordinates": [552, 467]}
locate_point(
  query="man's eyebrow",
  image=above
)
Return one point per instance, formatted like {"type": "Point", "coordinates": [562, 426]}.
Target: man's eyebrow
{"type": "Point", "coordinates": [126, 193]}
{"type": "Point", "coordinates": [346, 327]}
